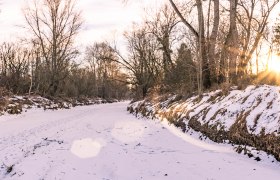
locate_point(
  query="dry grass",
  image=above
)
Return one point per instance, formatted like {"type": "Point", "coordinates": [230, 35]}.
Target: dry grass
{"type": "Point", "coordinates": [237, 134]}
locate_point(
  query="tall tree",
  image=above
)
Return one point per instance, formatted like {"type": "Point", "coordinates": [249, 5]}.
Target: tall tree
{"type": "Point", "coordinates": [212, 39]}
{"type": "Point", "coordinates": [55, 23]}
{"type": "Point", "coordinates": [201, 42]}
{"type": "Point", "coordinates": [230, 48]}
{"type": "Point", "coordinates": [143, 60]}
{"type": "Point", "coordinates": [162, 25]}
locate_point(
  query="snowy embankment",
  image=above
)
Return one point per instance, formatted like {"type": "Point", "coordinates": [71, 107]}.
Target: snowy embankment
{"type": "Point", "coordinates": [106, 142]}
{"type": "Point", "coordinates": [17, 104]}
{"type": "Point", "coordinates": [249, 117]}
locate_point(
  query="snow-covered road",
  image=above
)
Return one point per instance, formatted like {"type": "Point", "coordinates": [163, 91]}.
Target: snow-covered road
{"type": "Point", "coordinates": [105, 142]}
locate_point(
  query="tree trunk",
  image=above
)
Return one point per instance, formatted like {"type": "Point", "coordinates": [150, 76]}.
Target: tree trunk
{"type": "Point", "coordinates": [230, 50]}
{"type": "Point", "coordinates": [202, 47]}
{"type": "Point", "coordinates": [233, 39]}
{"type": "Point", "coordinates": [201, 42]}
{"type": "Point", "coordinates": [213, 40]}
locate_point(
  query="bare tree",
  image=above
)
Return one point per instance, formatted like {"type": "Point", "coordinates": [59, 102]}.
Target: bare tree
{"type": "Point", "coordinates": [104, 65]}
{"type": "Point", "coordinates": [143, 62]}
{"type": "Point", "coordinates": [143, 59]}
{"type": "Point", "coordinates": [253, 18]}
{"type": "Point", "coordinates": [199, 34]}
{"type": "Point", "coordinates": [55, 23]}
{"type": "Point", "coordinates": [230, 48]}
{"type": "Point", "coordinates": [15, 66]}
{"type": "Point", "coordinates": [163, 25]}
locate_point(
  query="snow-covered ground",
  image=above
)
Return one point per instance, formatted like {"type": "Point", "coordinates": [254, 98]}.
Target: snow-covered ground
{"type": "Point", "coordinates": [106, 142]}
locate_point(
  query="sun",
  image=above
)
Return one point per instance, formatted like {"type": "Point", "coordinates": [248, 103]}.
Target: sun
{"type": "Point", "coordinates": [274, 64]}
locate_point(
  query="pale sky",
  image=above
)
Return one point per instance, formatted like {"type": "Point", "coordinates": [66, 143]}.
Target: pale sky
{"type": "Point", "coordinates": [102, 18]}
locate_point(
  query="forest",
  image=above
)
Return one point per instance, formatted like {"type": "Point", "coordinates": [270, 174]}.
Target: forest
{"type": "Point", "coordinates": [184, 47]}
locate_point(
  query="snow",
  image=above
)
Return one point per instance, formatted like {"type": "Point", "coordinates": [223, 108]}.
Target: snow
{"type": "Point", "coordinates": [106, 142]}
{"type": "Point", "coordinates": [86, 148]}
{"type": "Point", "coordinates": [262, 103]}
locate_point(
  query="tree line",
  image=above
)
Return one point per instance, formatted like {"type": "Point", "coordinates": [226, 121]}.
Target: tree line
{"type": "Point", "coordinates": [198, 45]}
{"type": "Point", "coordinates": [183, 47]}
{"type": "Point", "coordinates": [46, 63]}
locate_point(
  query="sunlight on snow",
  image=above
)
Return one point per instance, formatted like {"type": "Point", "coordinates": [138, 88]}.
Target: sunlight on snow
{"type": "Point", "coordinates": [193, 141]}
{"type": "Point", "coordinates": [126, 131]}
{"type": "Point", "coordinates": [87, 148]}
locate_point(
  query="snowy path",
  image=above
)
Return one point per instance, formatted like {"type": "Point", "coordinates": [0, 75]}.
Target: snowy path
{"type": "Point", "coordinates": [105, 142]}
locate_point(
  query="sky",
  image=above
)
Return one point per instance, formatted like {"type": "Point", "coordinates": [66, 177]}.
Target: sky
{"type": "Point", "coordinates": [103, 19]}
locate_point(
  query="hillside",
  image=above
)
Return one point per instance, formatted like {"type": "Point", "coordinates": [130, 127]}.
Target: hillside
{"type": "Point", "coordinates": [249, 117]}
